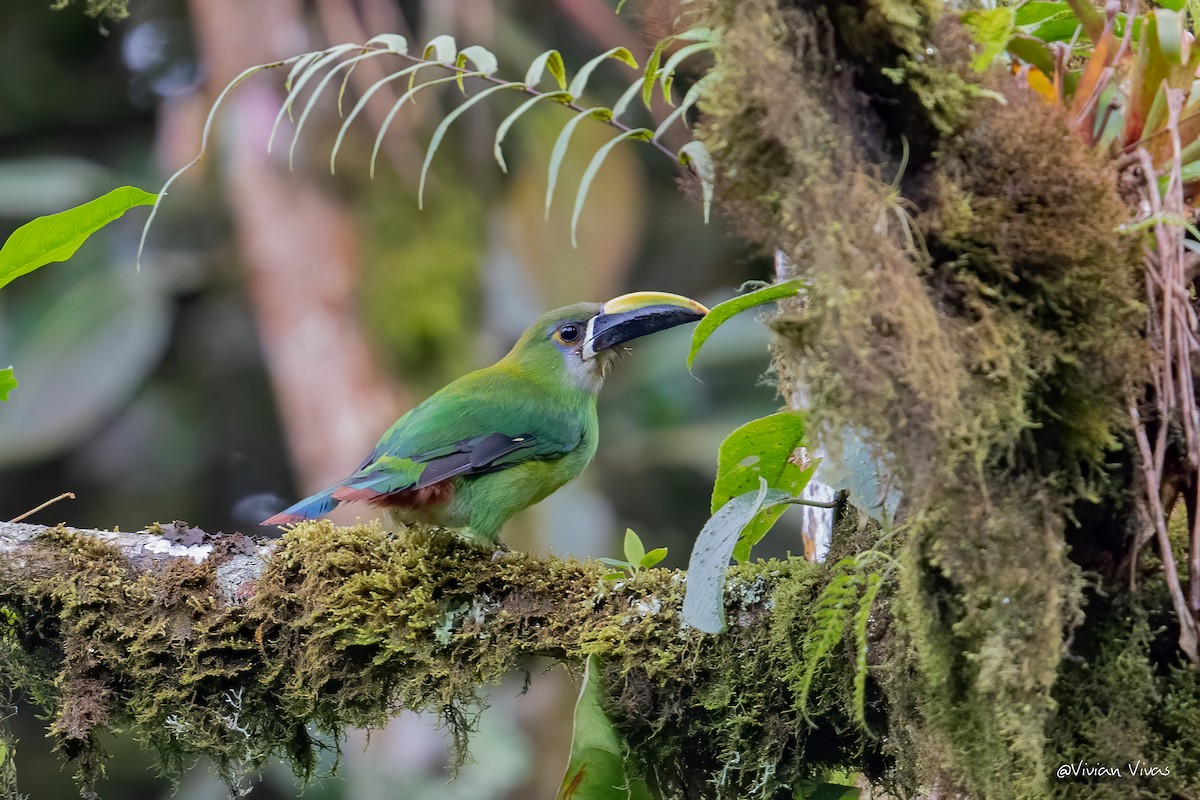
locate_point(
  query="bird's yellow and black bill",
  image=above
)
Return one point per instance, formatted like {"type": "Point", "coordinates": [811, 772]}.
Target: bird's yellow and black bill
{"type": "Point", "coordinates": [632, 315]}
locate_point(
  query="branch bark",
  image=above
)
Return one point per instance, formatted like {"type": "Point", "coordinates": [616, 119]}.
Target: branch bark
{"type": "Point", "coordinates": [242, 649]}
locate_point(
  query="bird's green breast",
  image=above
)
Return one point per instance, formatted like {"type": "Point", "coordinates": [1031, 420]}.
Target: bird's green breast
{"type": "Point", "coordinates": [485, 502]}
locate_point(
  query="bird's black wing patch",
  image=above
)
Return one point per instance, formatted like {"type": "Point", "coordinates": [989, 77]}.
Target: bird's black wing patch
{"type": "Point", "coordinates": [475, 456]}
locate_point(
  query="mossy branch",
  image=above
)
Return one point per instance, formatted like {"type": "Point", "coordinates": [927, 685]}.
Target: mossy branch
{"type": "Point", "coordinates": [242, 649]}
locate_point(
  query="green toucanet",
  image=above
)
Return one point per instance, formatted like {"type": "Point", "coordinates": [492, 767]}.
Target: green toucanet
{"type": "Point", "coordinates": [502, 438]}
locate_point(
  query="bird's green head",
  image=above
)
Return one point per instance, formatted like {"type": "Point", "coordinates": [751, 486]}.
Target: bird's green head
{"type": "Point", "coordinates": [583, 341]}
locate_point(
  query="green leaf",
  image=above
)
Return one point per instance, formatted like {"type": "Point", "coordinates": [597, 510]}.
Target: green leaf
{"type": "Point", "coordinates": [650, 74]}
{"type": "Point", "coordinates": [612, 576]}
{"type": "Point", "coordinates": [667, 73]}
{"type": "Point", "coordinates": [991, 29]}
{"type": "Point", "coordinates": [811, 790]}
{"type": "Point", "coordinates": [1037, 10]}
{"type": "Point", "coordinates": [56, 237]}
{"type": "Point", "coordinates": [444, 126]}
{"type": "Point", "coordinates": [626, 98]}
{"type": "Point", "coordinates": [362, 103]}
{"type": "Point", "coordinates": [697, 156]}
{"type": "Point", "coordinates": [8, 382]}
{"type": "Point", "coordinates": [483, 59]}
{"type": "Point", "coordinates": [396, 108]}
{"type": "Point", "coordinates": [391, 42]}
{"type": "Point", "coordinates": [762, 449]}
{"type": "Point", "coordinates": [441, 49]}
{"type": "Point", "coordinates": [596, 769]}
{"type": "Point", "coordinates": [693, 95]}
{"type": "Point", "coordinates": [653, 557]}
{"type": "Point", "coordinates": [614, 562]}
{"type": "Point", "coordinates": [704, 600]}
{"type": "Point", "coordinates": [635, 551]}
{"type": "Point", "coordinates": [559, 152]}
{"type": "Point", "coordinates": [511, 119]}
{"type": "Point", "coordinates": [312, 68]}
{"type": "Point", "coordinates": [579, 84]}
{"type": "Point", "coordinates": [1171, 33]}
{"type": "Point", "coordinates": [593, 167]}
{"type": "Point", "coordinates": [722, 312]}
{"type": "Point", "coordinates": [316, 94]}
{"type": "Point", "coordinates": [550, 60]}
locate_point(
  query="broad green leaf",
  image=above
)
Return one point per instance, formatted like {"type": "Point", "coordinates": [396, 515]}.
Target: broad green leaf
{"type": "Point", "coordinates": [653, 557]}
{"type": "Point", "coordinates": [441, 49]}
{"type": "Point", "coordinates": [593, 167]}
{"type": "Point", "coordinates": [483, 59]}
{"type": "Point", "coordinates": [512, 118]}
{"type": "Point", "coordinates": [8, 382]}
{"type": "Point", "coordinates": [1037, 10]}
{"type": "Point", "coordinates": [991, 29]}
{"type": "Point", "coordinates": [667, 73]}
{"type": "Point", "coordinates": [348, 64]}
{"type": "Point", "coordinates": [762, 449]}
{"type": "Point", "coordinates": [559, 152]}
{"type": "Point", "coordinates": [579, 84]}
{"type": "Point", "coordinates": [550, 60]}
{"type": "Point", "coordinates": [362, 103]}
{"type": "Point", "coordinates": [722, 312]}
{"type": "Point", "coordinates": [704, 600]}
{"type": "Point", "coordinates": [596, 769]}
{"type": "Point", "coordinates": [612, 576]}
{"type": "Point", "coordinates": [855, 468]}
{"type": "Point", "coordinates": [613, 562]}
{"type": "Point", "coordinates": [696, 155]}
{"type": "Point", "coordinates": [391, 115]}
{"type": "Point", "coordinates": [391, 42]}
{"type": "Point", "coordinates": [635, 551]}
{"type": "Point", "coordinates": [444, 126]}
{"type": "Point", "coordinates": [56, 237]}
{"type": "Point", "coordinates": [811, 790]}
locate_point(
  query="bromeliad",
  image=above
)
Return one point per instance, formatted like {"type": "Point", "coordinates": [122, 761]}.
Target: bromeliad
{"type": "Point", "coordinates": [502, 438]}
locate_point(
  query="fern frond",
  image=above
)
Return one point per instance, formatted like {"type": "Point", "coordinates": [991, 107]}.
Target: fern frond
{"type": "Point", "coordinates": [830, 618]}
{"type": "Point", "coordinates": [862, 618]}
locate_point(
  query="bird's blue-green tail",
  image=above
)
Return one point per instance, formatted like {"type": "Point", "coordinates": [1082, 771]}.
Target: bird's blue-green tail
{"type": "Point", "coordinates": [308, 508]}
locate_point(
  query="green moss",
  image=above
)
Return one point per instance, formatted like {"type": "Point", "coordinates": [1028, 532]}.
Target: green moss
{"type": "Point", "coordinates": [347, 626]}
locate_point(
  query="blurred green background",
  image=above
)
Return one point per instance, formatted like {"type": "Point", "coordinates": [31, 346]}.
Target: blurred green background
{"type": "Point", "coordinates": [281, 320]}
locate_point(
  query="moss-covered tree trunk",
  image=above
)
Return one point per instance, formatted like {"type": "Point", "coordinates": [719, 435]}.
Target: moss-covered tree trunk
{"type": "Point", "coordinates": [976, 314]}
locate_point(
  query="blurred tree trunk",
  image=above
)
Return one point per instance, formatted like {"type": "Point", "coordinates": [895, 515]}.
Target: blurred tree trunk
{"type": "Point", "coordinates": [301, 251]}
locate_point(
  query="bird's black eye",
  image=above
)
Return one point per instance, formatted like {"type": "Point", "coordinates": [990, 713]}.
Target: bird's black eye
{"type": "Point", "coordinates": [569, 333]}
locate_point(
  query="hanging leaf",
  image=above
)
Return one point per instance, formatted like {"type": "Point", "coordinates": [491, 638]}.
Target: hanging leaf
{"type": "Point", "coordinates": [696, 155]}
{"type": "Point", "coordinates": [719, 314]}
{"type": "Point", "coordinates": [550, 60]}
{"type": "Point", "coordinates": [441, 49]}
{"type": "Point", "coordinates": [579, 84]}
{"type": "Point", "coordinates": [483, 59]}
{"type": "Point", "coordinates": [444, 126]}
{"type": "Point", "coordinates": [560, 147]}
{"type": "Point", "coordinates": [690, 99]}
{"type": "Point", "coordinates": [596, 769]}
{"type": "Point", "coordinates": [362, 103]}
{"type": "Point", "coordinates": [512, 118]}
{"type": "Point", "coordinates": [593, 167]}
{"type": "Point", "coordinates": [304, 76]}
{"type": "Point", "coordinates": [626, 98]}
{"type": "Point", "coordinates": [763, 449]}
{"type": "Point", "coordinates": [667, 73]}
{"type": "Point", "coordinates": [704, 600]}
{"type": "Point", "coordinates": [391, 42]}
{"type": "Point", "coordinates": [8, 382]}
{"type": "Point", "coordinates": [387, 120]}
{"type": "Point", "coordinates": [56, 237]}
{"type": "Point", "coordinates": [653, 557]}
{"type": "Point", "coordinates": [348, 65]}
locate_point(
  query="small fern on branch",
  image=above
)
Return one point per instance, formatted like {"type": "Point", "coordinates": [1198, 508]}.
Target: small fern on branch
{"type": "Point", "coordinates": [320, 69]}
